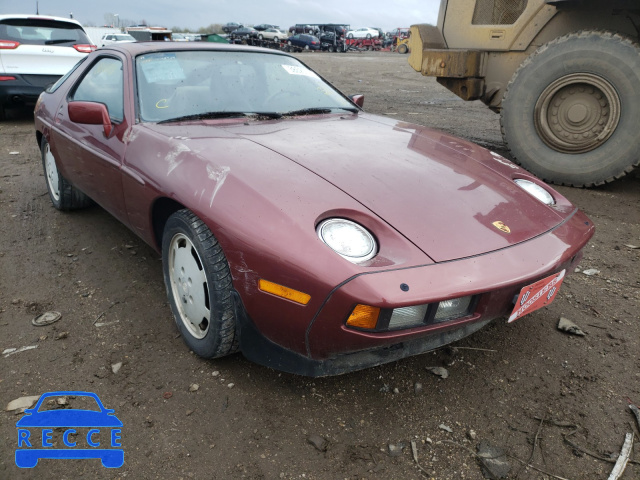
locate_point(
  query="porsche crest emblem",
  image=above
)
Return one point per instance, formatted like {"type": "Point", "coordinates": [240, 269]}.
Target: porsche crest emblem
{"type": "Point", "coordinates": [501, 226]}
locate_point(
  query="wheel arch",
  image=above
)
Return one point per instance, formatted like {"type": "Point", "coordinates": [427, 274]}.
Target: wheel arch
{"type": "Point", "coordinates": [572, 20]}
{"type": "Point", "coordinates": [501, 66]}
{"type": "Point", "coordinates": [161, 210]}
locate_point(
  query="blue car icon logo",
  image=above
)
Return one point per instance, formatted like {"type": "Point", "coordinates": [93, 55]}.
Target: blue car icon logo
{"type": "Point", "coordinates": [69, 433]}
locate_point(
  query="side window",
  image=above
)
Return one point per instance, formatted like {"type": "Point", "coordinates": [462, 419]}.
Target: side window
{"type": "Point", "coordinates": [103, 84]}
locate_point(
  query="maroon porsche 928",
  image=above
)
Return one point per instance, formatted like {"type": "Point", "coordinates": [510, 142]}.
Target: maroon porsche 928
{"type": "Point", "coordinates": [313, 237]}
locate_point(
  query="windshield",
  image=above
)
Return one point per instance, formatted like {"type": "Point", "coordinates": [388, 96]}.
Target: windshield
{"type": "Point", "coordinates": [179, 84]}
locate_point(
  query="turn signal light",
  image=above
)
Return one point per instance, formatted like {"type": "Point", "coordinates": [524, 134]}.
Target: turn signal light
{"type": "Point", "coordinates": [284, 292]}
{"type": "Point", "coordinates": [364, 316]}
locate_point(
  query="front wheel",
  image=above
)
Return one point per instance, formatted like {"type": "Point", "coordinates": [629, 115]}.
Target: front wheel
{"type": "Point", "coordinates": [260, 37]}
{"type": "Point", "coordinates": [198, 282]}
{"type": "Point", "coordinates": [570, 112]}
{"type": "Point", "coordinates": [62, 194]}
{"type": "Point", "coordinates": [403, 49]}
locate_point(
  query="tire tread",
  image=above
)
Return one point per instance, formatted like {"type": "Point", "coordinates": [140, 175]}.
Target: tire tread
{"type": "Point", "coordinates": [621, 39]}
{"type": "Point", "coordinates": [221, 284]}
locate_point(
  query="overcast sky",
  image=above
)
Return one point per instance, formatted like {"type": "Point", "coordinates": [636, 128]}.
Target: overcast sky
{"type": "Point", "coordinates": [201, 13]}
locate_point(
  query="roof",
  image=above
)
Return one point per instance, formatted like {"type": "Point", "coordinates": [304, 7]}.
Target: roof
{"type": "Point", "coordinates": [39, 17]}
{"type": "Point", "coordinates": [138, 48]}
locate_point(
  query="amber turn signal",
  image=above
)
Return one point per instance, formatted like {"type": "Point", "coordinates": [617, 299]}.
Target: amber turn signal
{"type": "Point", "coordinates": [284, 292]}
{"type": "Point", "coordinates": [364, 316]}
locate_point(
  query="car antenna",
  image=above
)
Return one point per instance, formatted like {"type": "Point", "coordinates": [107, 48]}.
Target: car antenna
{"type": "Point", "coordinates": [37, 9]}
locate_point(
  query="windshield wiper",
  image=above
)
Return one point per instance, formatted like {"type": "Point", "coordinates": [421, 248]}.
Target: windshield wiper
{"type": "Point", "coordinates": [318, 110]}
{"type": "Point", "coordinates": [53, 42]}
{"type": "Point", "coordinates": [207, 115]}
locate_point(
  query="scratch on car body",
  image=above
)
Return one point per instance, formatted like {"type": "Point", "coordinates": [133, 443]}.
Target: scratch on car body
{"type": "Point", "coordinates": [242, 269]}
{"type": "Point", "coordinates": [130, 135]}
{"type": "Point", "coordinates": [503, 161]}
{"type": "Point", "coordinates": [219, 175]}
{"type": "Point", "coordinates": [172, 156]}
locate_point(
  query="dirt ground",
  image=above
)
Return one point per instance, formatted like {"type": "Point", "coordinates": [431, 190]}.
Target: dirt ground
{"type": "Point", "coordinates": [546, 398]}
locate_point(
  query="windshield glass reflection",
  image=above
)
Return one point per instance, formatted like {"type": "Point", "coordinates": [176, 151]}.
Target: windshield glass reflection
{"type": "Point", "coordinates": [172, 85]}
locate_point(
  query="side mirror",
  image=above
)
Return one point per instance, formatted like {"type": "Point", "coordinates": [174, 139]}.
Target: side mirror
{"type": "Point", "coordinates": [91, 113]}
{"type": "Point", "coordinates": [358, 99]}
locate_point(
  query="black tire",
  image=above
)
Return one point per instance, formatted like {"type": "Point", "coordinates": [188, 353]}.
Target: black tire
{"type": "Point", "coordinates": [403, 48]}
{"type": "Point", "coordinates": [276, 39]}
{"type": "Point", "coordinates": [260, 37]}
{"type": "Point", "coordinates": [368, 37]}
{"type": "Point", "coordinates": [350, 35]}
{"type": "Point", "coordinates": [330, 48]}
{"type": "Point", "coordinates": [190, 255]}
{"type": "Point", "coordinates": [62, 194]}
{"type": "Point", "coordinates": [306, 47]}
{"type": "Point", "coordinates": [570, 112]}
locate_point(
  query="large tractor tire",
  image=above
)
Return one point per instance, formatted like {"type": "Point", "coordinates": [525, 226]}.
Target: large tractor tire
{"type": "Point", "coordinates": [570, 113]}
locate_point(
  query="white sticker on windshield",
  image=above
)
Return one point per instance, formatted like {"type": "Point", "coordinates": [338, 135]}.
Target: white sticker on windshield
{"type": "Point", "coordinates": [295, 70]}
{"type": "Point", "coordinates": [161, 67]}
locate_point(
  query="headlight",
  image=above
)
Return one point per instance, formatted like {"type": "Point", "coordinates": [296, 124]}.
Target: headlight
{"type": "Point", "coordinates": [348, 239]}
{"type": "Point", "coordinates": [406, 317]}
{"type": "Point", "coordinates": [454, 308]}
{"type": "Point", "coordinates": [535, 190]}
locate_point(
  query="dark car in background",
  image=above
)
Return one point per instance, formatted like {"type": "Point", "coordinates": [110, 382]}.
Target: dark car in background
{"type": "Point", "coordinates": [230, 27]}
{"type": "Point", "coordinates": [304, 42]}
{"type": "Point", "coordinates": [243, 33]}
{"type": "Point", "coordinates": [265, 26]}
{"type": "Point", "coordinates": [304, 28]}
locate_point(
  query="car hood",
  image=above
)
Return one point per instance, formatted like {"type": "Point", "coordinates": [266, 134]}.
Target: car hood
{"type": "Point", "coordinates": [443, 194]}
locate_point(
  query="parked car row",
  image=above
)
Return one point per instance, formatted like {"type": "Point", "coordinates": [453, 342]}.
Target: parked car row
{"type": "Point", "coordinates": [22, 38]}
{"type": "Point", "coordinates": [244, 33]}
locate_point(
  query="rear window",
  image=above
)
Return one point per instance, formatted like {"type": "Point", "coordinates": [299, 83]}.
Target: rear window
{"type": "Point", "coordinates": [42, 32]}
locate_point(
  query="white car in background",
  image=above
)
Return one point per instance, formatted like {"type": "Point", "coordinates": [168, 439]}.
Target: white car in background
{"type": "Point", "coordinates": [35, 51]}
{"type": "Point", "coordinates": [272, 34]}
{"type": "Point", "coordinates": [364, 32]}
{"type": "Point", "coordinates": [109, 38]}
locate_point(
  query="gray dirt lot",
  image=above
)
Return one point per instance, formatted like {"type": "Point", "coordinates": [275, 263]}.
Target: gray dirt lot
{"type": "Point", "coordinates": [542, 396]}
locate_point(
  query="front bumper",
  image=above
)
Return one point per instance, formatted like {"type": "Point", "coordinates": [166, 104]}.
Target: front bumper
{"type": "Point", "coordinates": [496, 277]}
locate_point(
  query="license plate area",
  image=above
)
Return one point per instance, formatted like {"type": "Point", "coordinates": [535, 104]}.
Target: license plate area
{"type": "Point", "coordinates": [537, 295]}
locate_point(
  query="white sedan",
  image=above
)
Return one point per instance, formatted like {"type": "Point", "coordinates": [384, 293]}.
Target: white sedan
{"type": "Point", "coordinates": [110, 38]}
{"type": "Point", "coordinates": [364, 32]}
{"type": "Point", "coordinates": [272, 34]}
